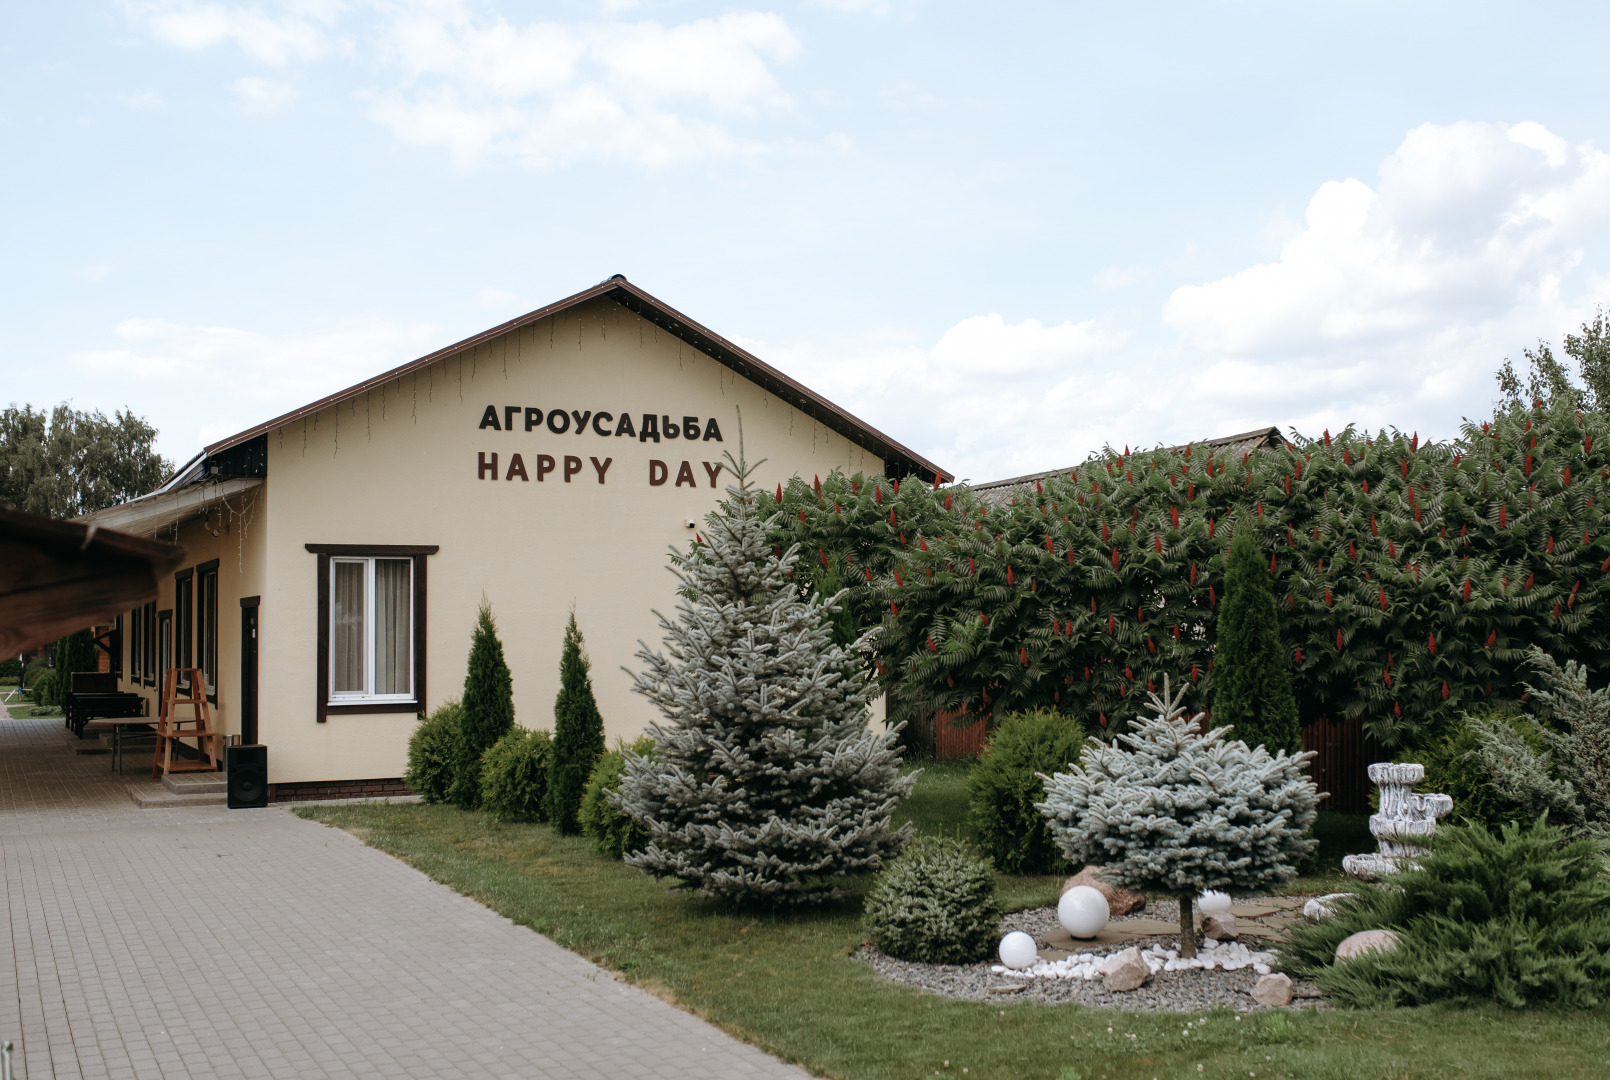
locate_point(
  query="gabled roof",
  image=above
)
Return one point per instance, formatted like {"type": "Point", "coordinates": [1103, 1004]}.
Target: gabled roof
{"type": "Point", "coordinates": [997, 490]}
{"type": "Point", "coordinates": [898, 460]}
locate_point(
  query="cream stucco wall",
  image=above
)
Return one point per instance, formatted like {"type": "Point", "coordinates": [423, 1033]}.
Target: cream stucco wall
{"type": "Point", "coordinates": [400, 467]}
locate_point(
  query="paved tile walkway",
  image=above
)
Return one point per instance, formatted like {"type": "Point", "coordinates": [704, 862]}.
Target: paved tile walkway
{"type": "Point", "coordinates": [202, 942]}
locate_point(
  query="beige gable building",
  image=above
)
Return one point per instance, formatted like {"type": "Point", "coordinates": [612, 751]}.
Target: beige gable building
{"type": "Point", "coordinates": [336, 555]}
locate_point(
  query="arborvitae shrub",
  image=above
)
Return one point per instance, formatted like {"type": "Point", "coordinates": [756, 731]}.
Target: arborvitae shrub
{"type": "Point", "coordinates": [432, 752]}
{"type": "Point", "coordinates": [1251, 671]}
{"type": "Point", "coordinates": [1520, 917]}
{"type": "Point", "coordinates": [578, 734]}
{"type": "Point", "coordinates": [514, 776]}
{"type": "Point", "coordinates": [935, 904]}
{"type": "Point", "coordinates": [488, 709]}
{"type": "Point", "coordinates": [1008, 781]}
{"type": "Point", "coordinates": [75, 652]}
{"type": "Point", "coordinates": [612, 832]}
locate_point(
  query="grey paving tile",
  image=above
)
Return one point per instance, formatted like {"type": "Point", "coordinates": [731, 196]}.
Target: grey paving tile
{"type": "Point", "coordinates": [199, 942]}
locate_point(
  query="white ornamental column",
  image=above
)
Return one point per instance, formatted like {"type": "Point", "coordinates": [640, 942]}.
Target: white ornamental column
{"type": "Point", "coordinates": [1403, 816]}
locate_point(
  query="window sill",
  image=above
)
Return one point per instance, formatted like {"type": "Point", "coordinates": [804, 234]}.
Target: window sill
{"type": "Point", "coordinates": [352, 708]}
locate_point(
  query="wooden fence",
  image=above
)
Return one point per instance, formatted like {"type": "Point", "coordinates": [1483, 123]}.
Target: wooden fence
{"type": "Point", "coordinates": [1343, 753]}
{"type": "Point", "coordinates": [939, 736]}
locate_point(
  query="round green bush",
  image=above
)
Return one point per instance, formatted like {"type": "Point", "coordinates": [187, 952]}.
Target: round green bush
{"type": "Point", "coordinates": [611, 831]}
{"type": "Point", "coordinates": [514, 776]}
{"type": "Point", "coordinates": [1453, 768]}
{"type": "Point", "coordinates": [1003, 788]}
{"type": "Point", "coordinates": [34, 672]}
{"type": "Point", "coordinates": [935, 904]}
{"type": "Point", "coordinates": [45, 688]}
{"type": "Point", "coordinates": [431, 753]}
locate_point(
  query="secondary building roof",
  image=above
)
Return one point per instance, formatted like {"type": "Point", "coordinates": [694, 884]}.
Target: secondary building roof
{"type": "Point", "coordinates": [1000, 490]}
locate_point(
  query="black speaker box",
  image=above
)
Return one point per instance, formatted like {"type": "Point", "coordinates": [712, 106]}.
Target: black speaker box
{"type": "Point", "coordinates": [247, 775]}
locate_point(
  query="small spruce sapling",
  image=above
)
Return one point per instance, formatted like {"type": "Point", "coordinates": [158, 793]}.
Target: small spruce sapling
{"type": "Point", "coordinates": [488, 709]}
{"type": "Point", "coordinates": [1181, 811]}
{"type": "Point", "coordinates": [578, 734]}
{"type": "Point", "coordinates": [767, 784]}
{"type": "Point", "coordinates": [1251, 671]}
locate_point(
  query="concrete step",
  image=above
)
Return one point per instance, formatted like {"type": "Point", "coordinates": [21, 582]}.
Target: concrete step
{"type": "Point", "coordinates": [156, 797]}
{"type": "Point", "coordinates": [195, 783]}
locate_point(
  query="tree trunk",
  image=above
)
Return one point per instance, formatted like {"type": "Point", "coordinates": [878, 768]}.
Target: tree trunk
{"type": "Point", "coordinates": [1187, 931]}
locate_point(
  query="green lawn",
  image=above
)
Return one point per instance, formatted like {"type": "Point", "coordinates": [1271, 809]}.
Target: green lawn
{"type": "Point", "coordinates": [790, 984]}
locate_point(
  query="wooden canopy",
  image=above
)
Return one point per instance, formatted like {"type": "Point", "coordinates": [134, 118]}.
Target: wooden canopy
{"type": "Point", "coordinates": [57, 577]}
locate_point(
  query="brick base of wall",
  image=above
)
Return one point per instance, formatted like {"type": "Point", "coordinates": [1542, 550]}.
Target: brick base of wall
{"type": "Point", "coordinates": [302, 791]}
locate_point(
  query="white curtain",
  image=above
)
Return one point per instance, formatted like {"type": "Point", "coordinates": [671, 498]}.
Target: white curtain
{"type": "Point", "coordinates": [393, 626]}
{"type": "Point", "coordinates": [347, 617]}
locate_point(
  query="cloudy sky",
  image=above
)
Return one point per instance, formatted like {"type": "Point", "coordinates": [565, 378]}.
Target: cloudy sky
{"type": "Point", "coordinates": [1005, 234]}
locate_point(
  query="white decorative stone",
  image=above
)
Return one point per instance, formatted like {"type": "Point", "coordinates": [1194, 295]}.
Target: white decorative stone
{"type": "Point", "coordinates": [1272, 990]}
{"type": "Point", "coordinates": [1125, 971]}
{"type": "Point", "coordinates": [1323, 907]}
{"type": "Point", "coordinates": [1403, 816]}
{"type": "Point", "coordinates": [1018, 951]}
{"type": "Point", "coordinates": [1082, 911]}
{"type": "Point", "coordinates": [1366, 941]}
{"type": "Point", "coordinates": [1213, 901]}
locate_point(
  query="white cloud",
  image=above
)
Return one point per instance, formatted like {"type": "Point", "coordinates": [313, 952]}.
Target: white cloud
{"type": "Point", "coordinates": [263, 95]}
{"type": "Point", "coordinates": [551, 93]}
{"type": "Point", "coordinates": [1400, 300]}
{"type": "Point", "coordinates": [989, 398]}
{"type": "Point", "coordinates": [543, 93]}
{"type": "Point", "coordinates": [172, 373]}
{"type": "Point", "coordinates": [294, 30]}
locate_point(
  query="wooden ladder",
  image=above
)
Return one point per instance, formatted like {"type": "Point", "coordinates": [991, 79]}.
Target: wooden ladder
{"type": "Point", "coordinates": [171, 727]}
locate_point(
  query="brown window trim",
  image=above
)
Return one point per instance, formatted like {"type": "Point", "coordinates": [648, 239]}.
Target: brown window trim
{"type": "Point", "coordinates": [419, 553]}
{"type": "Point", "coordinates": [373, 550]}
{"type": "Point", "coordinates": [202, 570]}
{"type": "Point", "coordinates": [184, 624]}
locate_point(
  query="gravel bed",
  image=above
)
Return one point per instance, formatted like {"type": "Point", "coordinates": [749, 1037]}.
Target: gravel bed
{"type": "Point", "coordinates": [1165, 991]}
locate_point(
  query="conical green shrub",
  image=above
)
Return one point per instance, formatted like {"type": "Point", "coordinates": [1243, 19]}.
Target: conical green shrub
{"type": "Point", "coordinates": [488, 709]}
{"type": "Point", "coordinates": [1251, 672]}
{"type": "Point", "coordinates": [578, 734]}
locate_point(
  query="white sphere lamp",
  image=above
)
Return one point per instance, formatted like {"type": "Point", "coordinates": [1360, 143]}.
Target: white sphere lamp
{"type": "Point", "coordinates": [1018, 951]}
{"type": "Point", "coordinates": [1083, 911]}
{"type": "Point", "coordinates": [1213, 902]}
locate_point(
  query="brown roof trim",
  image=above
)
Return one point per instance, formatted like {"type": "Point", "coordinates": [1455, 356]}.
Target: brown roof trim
{"type": "Point", "coordinates": [1262, 437]}
{"type": "Point", "coordinates": [667, 318]}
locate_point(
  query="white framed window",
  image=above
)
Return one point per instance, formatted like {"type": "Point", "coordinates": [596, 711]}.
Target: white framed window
{"type": "Point", "coordinates": [371, 630]}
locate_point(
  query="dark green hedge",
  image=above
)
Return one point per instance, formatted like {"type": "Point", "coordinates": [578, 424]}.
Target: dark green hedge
{"type": "Point", "coordinates": [1410, 577]}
